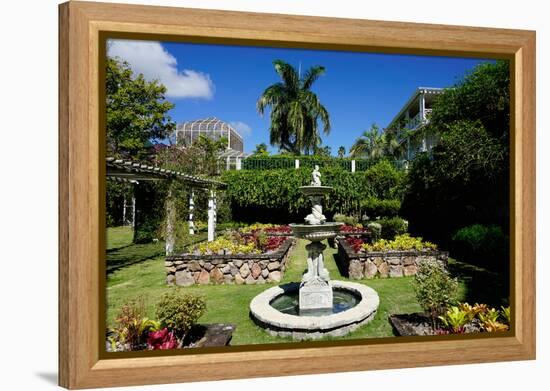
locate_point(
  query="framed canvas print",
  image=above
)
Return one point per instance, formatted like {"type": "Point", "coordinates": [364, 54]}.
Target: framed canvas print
{"type": "Point", "coordinates": [246, 195]}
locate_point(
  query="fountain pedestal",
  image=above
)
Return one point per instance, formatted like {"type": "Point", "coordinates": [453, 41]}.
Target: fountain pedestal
{"type": "Point", "coordinates": [315, 289]}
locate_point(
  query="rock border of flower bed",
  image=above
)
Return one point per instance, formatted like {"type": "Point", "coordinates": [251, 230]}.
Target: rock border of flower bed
{"type": "Point", "coordinates": [385, 264]}
{"type": "Point", "coordinates": [240, 269]}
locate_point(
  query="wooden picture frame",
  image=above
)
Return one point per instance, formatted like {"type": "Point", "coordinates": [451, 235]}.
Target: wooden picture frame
{"type": "Point", "coordinates": [81, 181]}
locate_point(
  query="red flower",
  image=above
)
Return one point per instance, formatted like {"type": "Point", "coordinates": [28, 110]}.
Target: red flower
{"type": "Point", "coordinates": [274, 242]}
{"type": "Point", "coordinates": [355, 243]}
{"type": "Point", "coordinates": [346, 228]}
{"type": "Point", "coordinates": [162, 339]}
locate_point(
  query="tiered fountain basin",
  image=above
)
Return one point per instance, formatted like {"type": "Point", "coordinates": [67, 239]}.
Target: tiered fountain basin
{"type": "Point", "coordinates": [316, 233]}
{"type": "Point", "coordinates": [317, 306]}
{"type": "Point", "coordinates": [276, 310]}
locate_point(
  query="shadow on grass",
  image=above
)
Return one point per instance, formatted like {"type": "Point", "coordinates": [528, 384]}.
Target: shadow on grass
{"type": "Point", "coordinates": [131, 254]}
{"type": "Point", "coordinates": [481, 285]}
{"type": "Point", "coordinates": [341, 265]}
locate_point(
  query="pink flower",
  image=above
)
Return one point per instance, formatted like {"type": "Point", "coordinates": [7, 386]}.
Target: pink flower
{"type": "Point", "coordinates": [162, 339]}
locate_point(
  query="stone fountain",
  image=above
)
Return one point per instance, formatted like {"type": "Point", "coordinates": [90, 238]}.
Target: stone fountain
{"type": "Point", "coordinates": [315, 307]}
{"type": "Point", "coordinates": [315, 289]}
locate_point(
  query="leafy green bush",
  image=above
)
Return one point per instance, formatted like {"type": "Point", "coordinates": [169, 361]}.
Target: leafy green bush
{"type": "Point", "coordinates": [393, 226]}
{"type": "Point", "coordinates": [435, 289]}
{"type": "Point", "coordinates": [480, 244]}
{"type": "Point", "coordinates": [179, 311]}
{"type": "Point", "coordinates": [375, 230]}
{"type": "Point", "coordinates": [374, 207]}
{"type": "Point", "coordinates": [349, 220]}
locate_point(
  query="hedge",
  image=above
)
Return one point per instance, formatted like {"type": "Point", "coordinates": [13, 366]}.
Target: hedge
{"type": "Point", "coordinates": [274, 195]}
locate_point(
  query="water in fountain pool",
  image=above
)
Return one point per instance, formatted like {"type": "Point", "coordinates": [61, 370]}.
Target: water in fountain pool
{"type": "Point", "coordinates": [342, 300]}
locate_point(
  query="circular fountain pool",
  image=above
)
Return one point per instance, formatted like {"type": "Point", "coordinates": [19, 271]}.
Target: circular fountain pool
{"type": "Point", "coordinates": [277, 311]}
{"type": "Point", "coordinates": [342, 300]}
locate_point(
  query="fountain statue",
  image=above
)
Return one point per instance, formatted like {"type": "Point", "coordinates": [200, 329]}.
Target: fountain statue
{"type": "Point", "coordinates": [317, 306]}
{"type": "Point", "coordinates": [315, 288]}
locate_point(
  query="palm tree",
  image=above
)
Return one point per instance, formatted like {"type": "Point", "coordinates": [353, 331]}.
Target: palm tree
{"type": "Point", "coordinates": [261, 150]}
{"type": "Point", "coordinates": [370, 144]}
{"type": "Point", "coordinates": [391, 144]}
{"type": "Point", "coordinates": [295, 109]}
{"type": "Point", "coordinates": [341, 151]}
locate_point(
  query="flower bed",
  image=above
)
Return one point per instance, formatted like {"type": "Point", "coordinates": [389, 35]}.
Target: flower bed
{"type": "Point", "coordinates": [268, 229]}
{"type": "Point", "coordinates": [354, 230]}
{"type": "Point", "coordinates": [229, 265]}
{"type": "Point", "coordinates": [389, 260]}
{"type": "Point", "coordinates": [460, 319]}
{"type": "Point", "coordinates": [176, 325]}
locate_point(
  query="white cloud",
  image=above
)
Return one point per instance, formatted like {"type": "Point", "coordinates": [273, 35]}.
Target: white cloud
{"type": "Point", "coordinates": [241, 127]}
{"type": "Point", "coordinates": [154, 61]}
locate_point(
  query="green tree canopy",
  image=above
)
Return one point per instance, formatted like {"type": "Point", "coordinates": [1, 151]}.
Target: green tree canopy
{"type": "Point", "coordinates": [295, 109]}
{"type": "Point", "coordinates": [199, 158]}
{"type": "Point", "coordinates": [137, 111]}
{"type": "Point", "coordinates": [322, 151]}
{"type": "Point", "coordinates": [341, 151]}
{"type": "Point", "coordinates": [483, 95]}
{"type": "Point", "coordinates": [465, 179]}
{"type": "Point", "coordinates": [261, 150]}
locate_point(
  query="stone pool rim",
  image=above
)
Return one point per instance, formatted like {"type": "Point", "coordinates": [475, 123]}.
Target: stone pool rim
{"type": "Point", "coordinates": [305, 327]}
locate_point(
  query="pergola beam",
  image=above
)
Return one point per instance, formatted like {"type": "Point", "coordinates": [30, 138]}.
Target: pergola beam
{"type": "Point", "coordinates": [132, 172]}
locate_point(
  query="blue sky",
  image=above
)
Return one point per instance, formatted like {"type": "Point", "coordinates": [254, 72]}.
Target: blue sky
{"type": "Point", "coordinates": [358, 89]}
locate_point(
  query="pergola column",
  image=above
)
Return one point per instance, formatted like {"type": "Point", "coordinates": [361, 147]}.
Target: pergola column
{"type": "Point", "coordinates": [212, 216]}
{"type": "Point", "coordinates": [191, 213]}
{"type": "Point", "coordinates": [170, 223]}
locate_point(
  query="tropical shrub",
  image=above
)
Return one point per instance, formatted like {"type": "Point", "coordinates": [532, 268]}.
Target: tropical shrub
{"type": "Point", "coordinates": [505, 313]}
{"type": "Point", "coordinates": [374, 207]}
{"type": "Point", "coordinates": [348, 220]}
{"type": "Point", "coordinates": [375, 230]}
{"type": "Point", "coordinates": [455, 319]}
{"type": "Point", "coordinates": [132, 327]}
{"type": "Point", "coordinates": [400, 243]}
{"type": "Point", "coordinates": [493, 320]}
{"type": "Point", "coordinates": [480, 316]}
{"type": "Point", "coordinates": [179, 311]}
{"type": "Point", "coordinates": [393, 226]}
{"type": "Point", "coordinates": [435, 289]}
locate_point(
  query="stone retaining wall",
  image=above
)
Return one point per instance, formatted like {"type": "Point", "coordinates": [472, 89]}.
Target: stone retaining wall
{"type": "Point", "coordinates": [190, 269]}
{"type": "Point", "coordinates": [385, 264]}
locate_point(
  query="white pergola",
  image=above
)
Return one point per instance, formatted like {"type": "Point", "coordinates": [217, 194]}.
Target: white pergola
{"type": "Point", "coordinates": [231, 156]}
{"type": "Point", "coordinates": [133, 172]}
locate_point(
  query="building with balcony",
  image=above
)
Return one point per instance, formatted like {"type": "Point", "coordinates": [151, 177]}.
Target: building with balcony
{"type": "Point", "coordinates": [414, 114]}
{"type": "Point", "coordinates": [213, 128]}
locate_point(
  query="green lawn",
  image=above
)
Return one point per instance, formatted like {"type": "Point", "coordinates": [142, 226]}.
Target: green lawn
{"type": "Point", "coordinates": [229, 303]}
{"type": "Point", "coordinates": [121, 252]}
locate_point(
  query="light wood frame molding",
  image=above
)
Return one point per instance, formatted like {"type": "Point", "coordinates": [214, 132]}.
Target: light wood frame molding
{"type": "Point", "coordinates": [81, 182]}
